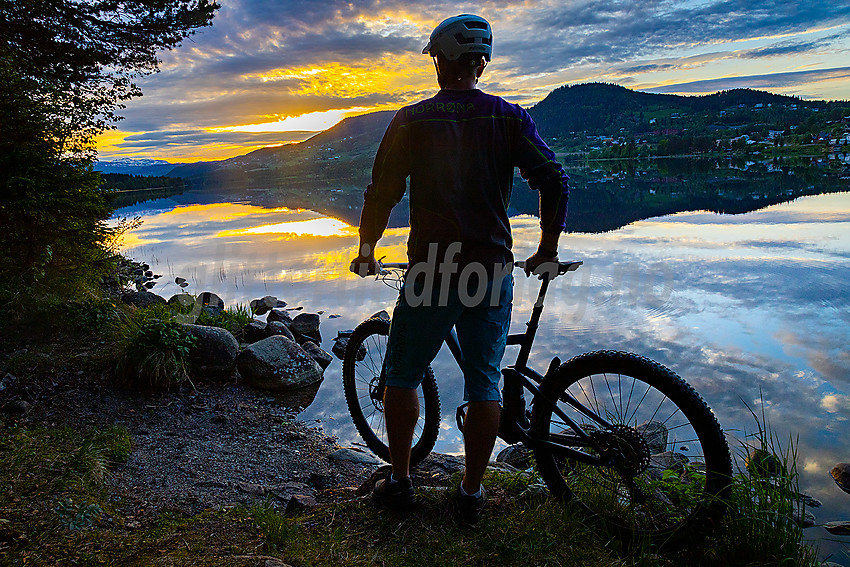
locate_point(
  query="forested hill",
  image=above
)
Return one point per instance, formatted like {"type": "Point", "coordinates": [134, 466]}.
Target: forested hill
{"type": "Point", "coordinates": [601, 108]}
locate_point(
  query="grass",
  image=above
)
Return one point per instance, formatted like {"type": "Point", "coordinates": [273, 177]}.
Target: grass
{"type": "Point", "coordinates": [55, 508]}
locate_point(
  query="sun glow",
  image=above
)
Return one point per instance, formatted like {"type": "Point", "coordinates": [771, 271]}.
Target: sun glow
{"type": "Point", "coordinates": [312, 227]}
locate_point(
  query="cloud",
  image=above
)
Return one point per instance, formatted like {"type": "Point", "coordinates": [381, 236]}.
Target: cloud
{"type": "Point", "coordinates": [266, 59]}
{"type": "Point", "coordinates": [768, 81]}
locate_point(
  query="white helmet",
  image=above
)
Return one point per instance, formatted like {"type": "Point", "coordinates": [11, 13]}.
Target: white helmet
{"type": "Point", "coordinates": [461, 34]}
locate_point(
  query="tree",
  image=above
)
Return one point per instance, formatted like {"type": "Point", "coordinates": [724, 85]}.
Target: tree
{"type": "Point", "coordinates": [66, 68]}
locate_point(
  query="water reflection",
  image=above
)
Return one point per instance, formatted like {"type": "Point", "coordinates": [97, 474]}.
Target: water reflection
{"type": "Point", "coordinates": [751, 309]}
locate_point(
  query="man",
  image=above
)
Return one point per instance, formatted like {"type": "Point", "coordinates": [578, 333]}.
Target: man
{"type": "Point", "coordinates": [459, 149]}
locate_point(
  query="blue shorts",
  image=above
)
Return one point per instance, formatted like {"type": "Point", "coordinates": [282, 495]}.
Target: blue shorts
{"type": "Point", "coordinates": [417, 332]}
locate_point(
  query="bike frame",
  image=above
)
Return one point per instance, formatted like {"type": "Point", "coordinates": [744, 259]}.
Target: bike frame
{"type": "Point", "coordinates": [519, 377]}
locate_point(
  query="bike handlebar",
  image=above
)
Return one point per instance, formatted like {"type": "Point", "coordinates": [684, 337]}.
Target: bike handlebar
{"type": "Point", "coordinates": [563, 267]}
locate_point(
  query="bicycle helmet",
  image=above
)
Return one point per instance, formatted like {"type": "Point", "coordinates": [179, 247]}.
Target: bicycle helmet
{"type": "Point", "coordinates": [461, 34]}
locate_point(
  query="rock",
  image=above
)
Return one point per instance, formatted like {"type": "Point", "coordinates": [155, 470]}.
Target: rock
{"type": "Point", "coordinates": [254, 331]}
{"type": "Point", "coordinates": [518, 456]}
{"type": "Point", "coordinates": [306, 325]}
{"type": "Point", "coordinates": [841, 475]}
{"type": "Point", "coordinates": [437, 464]}
{"type": "Point", "coordinates": [655, 434]}
{"type": "Point", "coordinates": [264, 305]}
{"type": "Point", "coordinates": [668, 460]}
{"type": "Point", "coordinates": [322, 357]}
{"type": "Point", "coordinates": [277, 363]}
{"type": "Point", "coordinates": [16, 407]}
{"type": "Point", "coordinates": [805, 519]}
{"type": "Point", "coordinates": [278, 328]}
{"type": "Point", "coordinates": [300, 502]}
{"type": "Point", "coordinates": [810, 501]}
{"type": "Point", "coordinates": [6, 381]}
{"type": "Point", "coordinates": [341, 343]}
{"type": "Point", "coordinates": [142, 298]}
{"type": "Point", "coordinates": [279, 315]}
{"type": "Point", "coordinates": [182, 300]}
{"type": "Point", "coordinates": [215, 350]}
{"type": "Point", "coordinates": [762, 464]}
{"type": "Point", "coordinates": [334, 316]}
{"type": "Point", "coordinates": [838, 528]}
{"type": "Point", "coordinates": [354, 456]}
{"type": "Point", "coordinates": [211, 303]}
{"type": "Point", "coordinates": [497, 466]}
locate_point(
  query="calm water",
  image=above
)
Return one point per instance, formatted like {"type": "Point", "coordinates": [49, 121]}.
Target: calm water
{"type": "Point", "coordinates": [752, 309]}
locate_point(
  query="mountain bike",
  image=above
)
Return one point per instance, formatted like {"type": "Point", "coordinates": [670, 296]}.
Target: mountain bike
{"type": "Point", "coordinates": [624, 437]}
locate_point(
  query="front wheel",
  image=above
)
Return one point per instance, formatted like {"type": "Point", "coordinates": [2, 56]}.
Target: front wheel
{"type": "Point", "coordinates": [657, 464]}
{"type": "Point", "coordinates": [364, 382]}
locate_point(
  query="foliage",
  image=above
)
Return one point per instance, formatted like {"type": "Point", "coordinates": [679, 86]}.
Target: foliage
{"type": "Point", "coordinates": [233, 319]}
{"type": "Point", "coordinates": [764, 524]}
{"type": "Point", "coordinates": [154, 351]}
{"type": "Point", "coordinates": [65, 69]}
{"type": "Point", "coordinates": [77, 516]}
{"type": "Point", "coordinates": [126, 182]}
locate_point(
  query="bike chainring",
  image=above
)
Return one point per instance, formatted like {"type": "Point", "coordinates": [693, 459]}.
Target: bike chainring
{"type": "Point", "coordinates": [624, 448]}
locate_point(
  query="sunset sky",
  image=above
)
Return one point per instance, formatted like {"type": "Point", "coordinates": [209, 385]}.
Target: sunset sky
{"type": "Point", "coordinates": [274, 71]}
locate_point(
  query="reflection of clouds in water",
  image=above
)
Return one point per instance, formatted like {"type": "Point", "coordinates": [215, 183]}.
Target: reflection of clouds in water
{"type": "Point", "coordinates": [748, 312]}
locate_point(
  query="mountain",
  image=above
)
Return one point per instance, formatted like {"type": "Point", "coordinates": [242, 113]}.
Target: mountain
{"type": "Point", "coordinates": [328, 172]}
{"type": "Point", "coordinates": [607, 109]}
{"type": "Point", "coordinates": [135, 166]}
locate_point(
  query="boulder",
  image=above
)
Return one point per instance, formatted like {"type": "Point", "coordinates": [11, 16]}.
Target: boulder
{"type": "Point", "coordinates": [353, 455]}
{"type": "Point", "coordinates": [278, 328]}
{"type": "Point", "coordinates": [762, 464]}
{"type": "Point", "coordinates": [254, 331]}
{"type": "Point", "coordinates": [279, 315]}
{"type": "Point", "coordinates": [277, 363]}
{"type": "Point", "coordinates": [211, 303]}
{"type": "Point", "coordinates": [322, 357]}
{"type": "Point", "coordinates": [341, 343]}
{"type": "Point", "coordinates": [182, 300]}
{"type": "Point", "coordinates": [16, 407]}
{"type": "Point", "coordinates": [306, 326]}
{"type": "Point", "coordinates": [518, 456]}
{"type": "Point", "coordinates": [838, 528]}
{"type": "Point", "coordinates": [655, 434]}
{"type": "Point", "coordinates": [265, 304]}
{"type": "Point", "coordinates": [841, 475]}
{"type": "Point", "coordinates": [142, 298]}
{"type": "Point", "coordinates": [215, 350]}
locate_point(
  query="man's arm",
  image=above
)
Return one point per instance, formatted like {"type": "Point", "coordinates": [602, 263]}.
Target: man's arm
{"type": "Point", "coordinates": [546, 176]}
{"type": "Point", "coordinates": [389, 174]}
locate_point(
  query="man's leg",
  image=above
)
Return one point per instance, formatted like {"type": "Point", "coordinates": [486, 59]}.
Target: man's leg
{"type": "Point", "coordinates": [479, 437]}
{"type": "Point", "coordinates": [401, 411]}
{"type": "Point", "coordinates": [482, 333]}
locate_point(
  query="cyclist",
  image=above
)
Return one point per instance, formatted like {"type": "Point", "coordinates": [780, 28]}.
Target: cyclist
{"type": "Point", "coordinates": [459, 149]}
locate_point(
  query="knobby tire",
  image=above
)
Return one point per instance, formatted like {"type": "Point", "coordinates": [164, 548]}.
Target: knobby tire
{"type": "Point", "coordinates": [362, 371]}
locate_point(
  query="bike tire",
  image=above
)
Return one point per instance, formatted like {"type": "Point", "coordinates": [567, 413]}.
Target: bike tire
{"type": "Point", "coordinates": [362, 375]}
{"type": "Point", "coordinates": [670, 484]}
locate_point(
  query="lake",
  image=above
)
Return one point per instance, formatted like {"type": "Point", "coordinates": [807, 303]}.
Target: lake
{"type": "Point", "coordinates": [753, 309]}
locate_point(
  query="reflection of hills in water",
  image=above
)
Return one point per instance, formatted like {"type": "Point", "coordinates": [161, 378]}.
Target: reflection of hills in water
{"type": "Point", "coordinates": [604, 195]}
{"type": "Point", "coordinates": [625, 192]}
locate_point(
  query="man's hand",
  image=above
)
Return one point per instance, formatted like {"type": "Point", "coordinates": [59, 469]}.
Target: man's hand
{"type": "Point", "coordinates": [542, 263]}
{"type": "Point", "coordinates": [365, 264]}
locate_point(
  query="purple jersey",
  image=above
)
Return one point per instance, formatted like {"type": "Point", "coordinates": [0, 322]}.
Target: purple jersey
{"type": "Point", "coordinates": [459, 149]}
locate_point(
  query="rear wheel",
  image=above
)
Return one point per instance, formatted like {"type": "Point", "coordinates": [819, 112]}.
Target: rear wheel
{"type": "Point", "coordinates": [657, 466]}
{"type": "Point", "coordinates": [364, 382]}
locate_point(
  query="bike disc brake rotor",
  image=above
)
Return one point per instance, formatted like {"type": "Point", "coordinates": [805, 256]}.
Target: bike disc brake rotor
{"type": "Point", "coordinates": [376, 393]}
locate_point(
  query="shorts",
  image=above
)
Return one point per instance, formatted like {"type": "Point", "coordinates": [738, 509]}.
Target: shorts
{"type": "Point", "coordinates": [417, 332]}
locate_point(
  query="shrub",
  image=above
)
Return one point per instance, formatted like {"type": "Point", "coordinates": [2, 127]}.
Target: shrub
{"type": "Point", "coordinates": [154, 353]}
